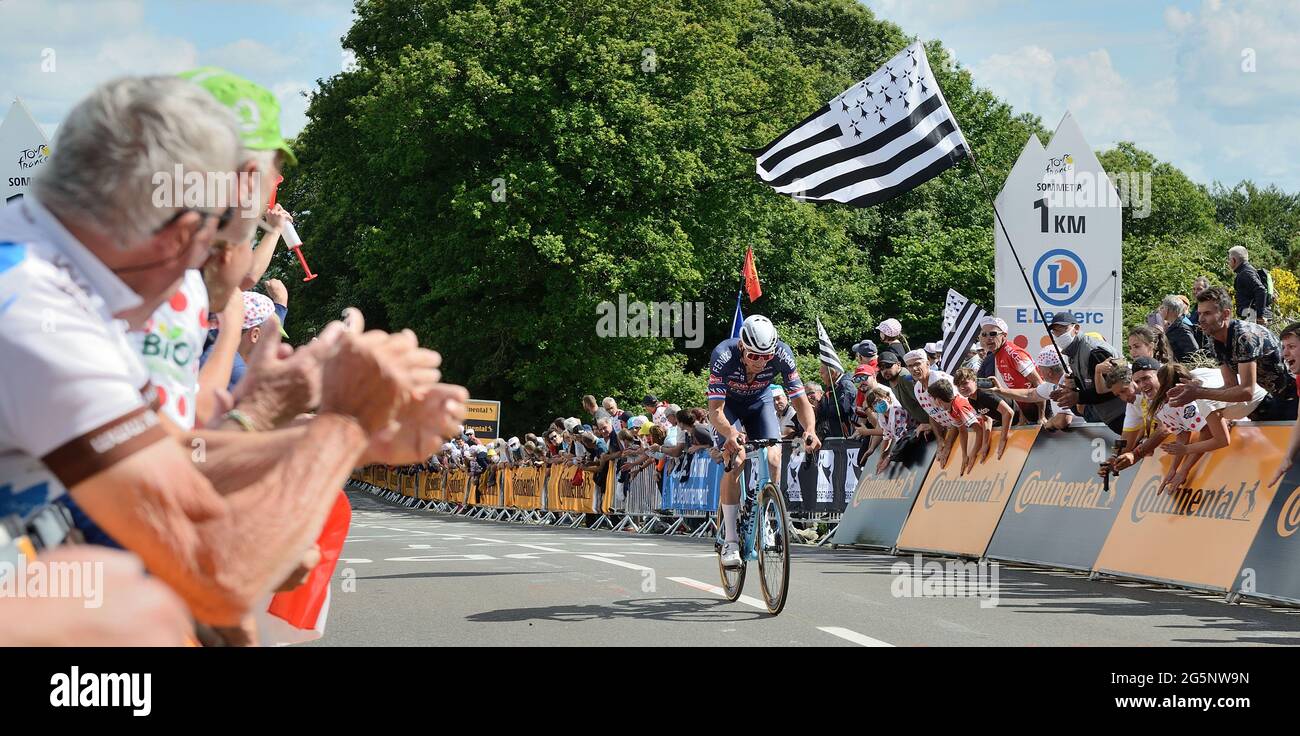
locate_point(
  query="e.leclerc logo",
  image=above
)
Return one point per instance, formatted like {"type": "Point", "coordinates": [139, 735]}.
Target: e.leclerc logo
{"type": "Point", "coordinates": [1060, 277]}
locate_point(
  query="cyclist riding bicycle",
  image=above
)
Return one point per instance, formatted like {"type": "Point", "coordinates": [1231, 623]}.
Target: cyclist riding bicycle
{"type": "Point", "coordinates": [740, 405]}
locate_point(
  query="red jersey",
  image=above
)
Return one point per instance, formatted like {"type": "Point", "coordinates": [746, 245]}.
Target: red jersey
{"type": "Point", "coordinates": [1013, 365]}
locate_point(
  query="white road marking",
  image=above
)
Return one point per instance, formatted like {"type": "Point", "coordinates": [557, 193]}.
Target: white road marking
{"type": "Point", "coordinates": [353, 560]}
{"type": "Point", "coordinates": [747, 600]}
{"type": "Point", "coordinates": [853, 636]}
{"type": "Point", "coordinates": [620, 563]}
{"type": "Point", "coordinates": [439, 558]}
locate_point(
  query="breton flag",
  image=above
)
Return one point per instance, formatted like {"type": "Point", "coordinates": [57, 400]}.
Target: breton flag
{"type": "Point", "coordinates": [883, 136]}
{"type": "Point", "coordinates": [961, 325]}
{"type": "Point", "coordinates": [825, 350]}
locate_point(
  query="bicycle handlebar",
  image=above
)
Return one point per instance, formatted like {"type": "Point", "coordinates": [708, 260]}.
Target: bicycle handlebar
{"type": "Point", "coordinates": [752, 445]}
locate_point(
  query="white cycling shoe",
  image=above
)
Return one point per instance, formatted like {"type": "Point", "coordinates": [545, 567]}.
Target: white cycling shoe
{"type": "Point", "coordinates": [731, 555]}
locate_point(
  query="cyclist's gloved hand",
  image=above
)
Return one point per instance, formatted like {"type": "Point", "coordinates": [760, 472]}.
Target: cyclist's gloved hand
{"type": "Point", "coordinates": [811, 442]}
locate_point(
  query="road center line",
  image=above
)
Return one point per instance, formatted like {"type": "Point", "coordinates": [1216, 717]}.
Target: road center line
{"type": "Point", "coordinates": [620, 563]}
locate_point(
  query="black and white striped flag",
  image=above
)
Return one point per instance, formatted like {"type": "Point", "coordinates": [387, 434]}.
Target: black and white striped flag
{"type": "Point", "coordinates": [825, 350]}
{"type": "Point", "coordinates": [883, 136]}
{"type": "Point", "coordinates": [961, 325]}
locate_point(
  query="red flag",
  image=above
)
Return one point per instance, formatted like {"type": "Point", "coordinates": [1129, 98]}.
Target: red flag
{"type": "Point", "coordinates": [752, 287]}
{"type": "Point", "coordinates": [302, 606]}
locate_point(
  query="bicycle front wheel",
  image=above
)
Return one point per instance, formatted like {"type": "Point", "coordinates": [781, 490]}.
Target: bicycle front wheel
{"type": "Point", "coordinates": [773, 543]}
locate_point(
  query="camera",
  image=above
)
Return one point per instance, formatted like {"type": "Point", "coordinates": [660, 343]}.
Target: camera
{"type": "Point", "coordinates": [1108, 467]}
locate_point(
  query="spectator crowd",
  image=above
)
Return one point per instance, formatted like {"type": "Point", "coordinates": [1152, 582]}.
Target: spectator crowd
{"type": "Point", "coordinates": [152, 410]}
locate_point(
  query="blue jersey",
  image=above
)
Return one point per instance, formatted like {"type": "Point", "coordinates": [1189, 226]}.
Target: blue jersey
{"type": "Point", "coordinates": [727, 379]}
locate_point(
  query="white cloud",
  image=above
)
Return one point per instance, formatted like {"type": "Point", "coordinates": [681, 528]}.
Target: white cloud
{"type": "Point", "coordinates": [247, 55]}
{"type": "Point", "coordinates": [294, 98]}
{"type": "Point", "coordinates": [1108, 107]}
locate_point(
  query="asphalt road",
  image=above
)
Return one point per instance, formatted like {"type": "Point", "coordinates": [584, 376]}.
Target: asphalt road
{"type": "Point", "coordinates": [419, 578]}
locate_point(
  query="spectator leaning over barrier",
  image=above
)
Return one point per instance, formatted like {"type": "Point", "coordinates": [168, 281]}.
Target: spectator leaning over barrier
{"type": "Point", "coordinates": [1049, 368]}
{"type": "Point", "coordinates": [1180, 332]}
{"type": "Point", "coordinates": [1256, 381]}
{"type": "Point", "coordinates": [993, 411]}
{"type": "Point", "coordinates": [922, 376]}
{"type": "Point", "coordinates": [1290, 340]}
{"type": "Point", "coordinates": [1084, 352]}
{"type": "Point", "coordinates": [89, 247]}
{"type": "Point", "coordinates": [1203, 419]}
{"type": "Point", "coordinates": [963, 418]}
{"type": "Point", "coordinates": [1137, 385]}
{"type": "Point", "coordinates": [900, 382]}
{"type": "Point", "coordinates": [892, 338]}
{"type": "Point", "coordinates": [1252, 295]}
{"type": "Point", "coordinates": [1009, 362]}
{"type": "Point", "coordinates": [891, 422]}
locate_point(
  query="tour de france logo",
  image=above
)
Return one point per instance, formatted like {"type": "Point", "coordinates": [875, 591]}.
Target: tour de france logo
{"type": "Point", "coordinates": [1060, 277]}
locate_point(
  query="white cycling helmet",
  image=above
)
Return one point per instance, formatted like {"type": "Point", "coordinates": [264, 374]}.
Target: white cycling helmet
{"type": "Point", "coordinates": [758, 334]}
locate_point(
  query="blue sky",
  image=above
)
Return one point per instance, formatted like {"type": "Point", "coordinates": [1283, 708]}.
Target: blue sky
{"type": "Point", "coordinates": [1167, 75]}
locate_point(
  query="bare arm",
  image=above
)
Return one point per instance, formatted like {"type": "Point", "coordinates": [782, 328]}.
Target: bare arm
{"type": "Point", "coordinates": [1237, 387]}
{"type": "Point", "coordinates": [214, 376]}
{"type": "Point", "coordinates": [222, 553]}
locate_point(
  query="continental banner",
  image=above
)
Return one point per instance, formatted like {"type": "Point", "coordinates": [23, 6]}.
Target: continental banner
{"type": "Point", "coordinates": [487, 492]}
{"type": "Point", "coordinates": [431, 485]}
{"type": "Point", "coordinates": [525, 486]}
{"type": "Point", "coordinates": [1198, 535]}
{"type": "Point", "coordinates": [956, 514]}
{"type": "Point", "coordinates": [565, 495]}
{"type": "Point", "coordinates": [1059, 513]}
{"type": "Point", "coordinates": [1271, 566]}
{"type": "Point", "coordinates": [409, 485]}
{"type": "Point", "coordinates": [881, 501]}
{"type": "Point", "coordinates": [457, 485]}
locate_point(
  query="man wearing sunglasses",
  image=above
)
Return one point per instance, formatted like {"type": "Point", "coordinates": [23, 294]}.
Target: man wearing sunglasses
{"type": "Point", "coordinates": [1010, 362]}
{"type": "Point", "coordinates": [740, 408]}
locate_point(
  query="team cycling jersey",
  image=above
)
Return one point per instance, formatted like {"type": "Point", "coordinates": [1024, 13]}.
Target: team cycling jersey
{"type": "Point", "coordinates": [727, 378]}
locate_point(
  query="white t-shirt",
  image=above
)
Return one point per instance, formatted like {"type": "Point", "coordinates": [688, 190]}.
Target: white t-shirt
{"type": "Point", "coordinates": [937, 413]}
{"type": "Point", "coordinates": [170, 345]}
{"type": "Point", "coordinates": [70, 389]}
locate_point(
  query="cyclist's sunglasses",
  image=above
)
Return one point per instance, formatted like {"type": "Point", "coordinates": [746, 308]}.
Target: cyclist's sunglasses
{"type": "Point", "coordinates": [751, 355]}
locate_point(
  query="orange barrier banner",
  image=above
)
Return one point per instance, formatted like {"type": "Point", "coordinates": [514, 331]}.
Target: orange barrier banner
{"type": "Point", "coordinates": [488, 493]}
{"type": "Point", "coordinates": [607, 498]}
{"type": "Point", "coordinates": [409, 486]}
{"type": "Point", "coordinates": [457, 485]}
{"type": "Point", "coordinates": [526, 485]}
{"type": "Point", "coordinates": [1200, 534]}
{"type": "Point", "coordinates": [956, 514]}
{"type": "Point", "coordinates": [563, 495]}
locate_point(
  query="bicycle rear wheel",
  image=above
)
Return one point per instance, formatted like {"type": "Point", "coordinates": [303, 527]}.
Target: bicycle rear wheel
{"type": "Point", "coordinates": [773, 547]}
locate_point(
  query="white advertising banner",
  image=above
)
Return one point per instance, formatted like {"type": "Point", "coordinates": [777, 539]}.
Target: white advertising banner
{"type": "Point", "coordinates": [1063, 214]}
{"type": "Point", "coordinates": [23, 149]}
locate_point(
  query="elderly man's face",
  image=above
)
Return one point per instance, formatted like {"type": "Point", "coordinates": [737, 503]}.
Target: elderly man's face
{"type": "Point", "coordinates": [991, 338]}
{"type": "Point", "coordinates": [918, 368]}
{"type": "Point", "coordinates": [814, 395]}
{"type": "Point", "coordinates": [780, 402]}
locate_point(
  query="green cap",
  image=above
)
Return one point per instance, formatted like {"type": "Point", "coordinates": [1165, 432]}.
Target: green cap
{"type": "Point", "coordinates": [254, 105]}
